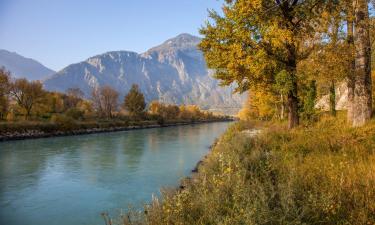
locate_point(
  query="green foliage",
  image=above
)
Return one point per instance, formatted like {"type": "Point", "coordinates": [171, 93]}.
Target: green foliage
{"type": "Point", "coordinates": [310, 101]}
{"type": "Point", "coordinates": [283, 82]}
{"type": "Point", "coordinates": [323, 174]}
{"type": "Point", "coordinates": [134, 101]}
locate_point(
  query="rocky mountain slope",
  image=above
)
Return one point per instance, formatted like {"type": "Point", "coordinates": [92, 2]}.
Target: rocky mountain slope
{"type": "Point", "coordinates": [341, 99]}
{"type": "Point", "coordinates": [22, 67]}
{"type": "Point", "coordinates": [173, 72]}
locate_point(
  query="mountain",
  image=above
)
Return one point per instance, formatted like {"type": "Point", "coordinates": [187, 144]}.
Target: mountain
{"type": "Point", "coordinates": [21, 67]}
{"type": "Point", "coordinates": [341, 98]}
{"type": "Point", "coordinates": [173, 72]}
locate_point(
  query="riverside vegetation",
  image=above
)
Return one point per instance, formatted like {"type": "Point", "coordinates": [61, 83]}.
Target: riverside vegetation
{"type": "Point", "coordinates": [27, 110]}
{"type": "Point", "coordinates": [308, 167]}
{"type": "Point", "coordinates": [320, 174]}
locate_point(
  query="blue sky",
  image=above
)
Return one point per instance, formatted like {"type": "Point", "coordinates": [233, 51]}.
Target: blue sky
{"type": "Point", "coordinates": [61, 32]}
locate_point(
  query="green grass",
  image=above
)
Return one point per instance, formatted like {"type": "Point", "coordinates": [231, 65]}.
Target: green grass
{"type": "Point", "coordinates": [321, 174]}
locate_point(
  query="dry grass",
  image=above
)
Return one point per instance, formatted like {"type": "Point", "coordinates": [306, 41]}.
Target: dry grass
{"type": "Point", "coordinates": [323, 174]}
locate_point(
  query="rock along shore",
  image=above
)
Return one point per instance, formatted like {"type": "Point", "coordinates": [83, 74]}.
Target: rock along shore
{"type": "Point", "coordinates": [34, 134]}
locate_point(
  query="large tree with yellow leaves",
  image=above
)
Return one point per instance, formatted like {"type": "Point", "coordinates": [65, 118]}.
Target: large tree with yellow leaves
{"type": "Point", "coordinates": [256, 39]}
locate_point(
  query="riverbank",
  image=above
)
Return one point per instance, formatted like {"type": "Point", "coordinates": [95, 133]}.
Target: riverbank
{"type": "Point", "coordinates": [322, 174]}
{"type": "Point", "coordinates": [34, 130]}
{"type": "Point", "coordinates": [96, 173]}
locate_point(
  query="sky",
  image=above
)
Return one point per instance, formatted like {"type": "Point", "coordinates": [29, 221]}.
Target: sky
{"type": "Point", "coordinates": [60, 32]}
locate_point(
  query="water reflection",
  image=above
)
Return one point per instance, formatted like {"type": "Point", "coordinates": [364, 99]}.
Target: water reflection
{"type": "Point", "coordinates": [70, 180]}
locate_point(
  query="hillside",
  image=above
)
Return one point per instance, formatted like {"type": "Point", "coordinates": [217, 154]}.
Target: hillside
{"type": "Point", "coordinates": [22, 67]}
{"type": "Point", "coordinates": [173, 72]}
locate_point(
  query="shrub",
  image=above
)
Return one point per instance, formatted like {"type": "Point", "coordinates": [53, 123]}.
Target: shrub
{"type": "Point", "coordinates": [161, 120]}
{"type": "Point", "coordinates": [75, 113]}
{"type": "Point", "coordinates": [65, 123]}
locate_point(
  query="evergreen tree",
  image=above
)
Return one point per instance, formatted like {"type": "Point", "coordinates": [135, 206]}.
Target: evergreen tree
{"type": "Point", "coordinates": [134, 101]}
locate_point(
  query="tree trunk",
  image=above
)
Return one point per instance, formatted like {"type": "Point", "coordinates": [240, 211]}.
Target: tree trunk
{"type": "Point", "coordinates": [293, 117]}
{"type": "Point", "coordinates": [332, 98]}
{"type": "Point", "coordinates": [362, 100]}
{"type": "Point", "coordinates": [28, 113]}
{"type": "Point", "coordinates": [350, 78]}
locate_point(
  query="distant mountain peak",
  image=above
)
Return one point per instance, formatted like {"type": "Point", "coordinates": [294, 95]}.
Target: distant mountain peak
{"type": "Point", "coordinates": [185, 38]}
{"type": "Point", "coordinates": [22, 67]}
{"type": "Point", "coordinates": [180, 42]}
{"type": "Point", "coordinates": [173, 72]}
{"type": "Point", "coordinates": [115, 54]}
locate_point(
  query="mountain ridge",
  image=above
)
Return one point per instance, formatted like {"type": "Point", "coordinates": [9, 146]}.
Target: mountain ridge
{"type": "Point", "coordinates": [23, 67]}
{"type": "Point", "coordinates": [172, 72]}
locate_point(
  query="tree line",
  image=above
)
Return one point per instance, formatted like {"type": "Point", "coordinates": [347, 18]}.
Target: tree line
{"type": "Point", "coordinates": [21, 99]}
{"type": "Point", "coordinates": [288, 53]}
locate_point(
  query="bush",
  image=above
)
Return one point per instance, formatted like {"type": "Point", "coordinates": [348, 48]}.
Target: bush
{"type": "Point", "coordinates": [75, 113]}
{"type": "Point", "coordinates": [65, 123]}
{"type": "Point", "coordinates": [161, 120]}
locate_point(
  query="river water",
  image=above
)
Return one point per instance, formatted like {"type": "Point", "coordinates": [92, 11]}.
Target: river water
{"type": "Point", "coordinates": [72, 180]}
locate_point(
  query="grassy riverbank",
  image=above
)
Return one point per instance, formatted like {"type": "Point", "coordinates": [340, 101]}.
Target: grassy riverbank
{"type": "Point", "coordinates": [38, 129]}
{"type": "Point", "coordinates": [321, 174]}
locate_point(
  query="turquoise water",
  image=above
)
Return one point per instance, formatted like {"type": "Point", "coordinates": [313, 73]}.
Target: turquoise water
{"type": "Point", "coordinates": [71, 180]}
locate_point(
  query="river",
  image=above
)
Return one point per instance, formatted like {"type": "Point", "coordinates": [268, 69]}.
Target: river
{"type": "Point", "coordinates": [72, 180]}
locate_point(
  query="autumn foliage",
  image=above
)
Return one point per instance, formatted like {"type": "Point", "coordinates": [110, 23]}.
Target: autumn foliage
{"type": "Point", "coordinates": [26, 105]}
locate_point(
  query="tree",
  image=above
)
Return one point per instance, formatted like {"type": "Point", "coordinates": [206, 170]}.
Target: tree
{"type": "Point", "coordinates": [4, 91]}
{"type": "Point", "coordinates": [73, 97]}
{"type": "Point", "coordinates": [105, 100]}
{"type": "Point", "coordinates": [255, 40]}
{"type": "Point", "coordinates": [334, 57]}
{"type": "Point", "coordinates": [329, 64]}
{"type": "Point", "coordinates": [361, 102]}
{"type": "Point", "coordinates": [27, 94]}
{"type": "Point", "coordinates": [86, 107]}
{"type": "Point", "coordinates": [109, 100]}
{"type": "Point", "coordinates": [155, 107]}
{"type": "Point", "coordinates": [310, 101]}
{"type": "Point", "coordinates": [134, 101]}
{"type": "Point", "coordinates": [97, 101]}
{"type": "Point", "coordinates": [55, 102]}
{"type": "Point", "coordinates": [190, 112]}
{"type": "Point", "coordinates": [262, 103]}
{"type": "Point", "coordinates": [164, 111]}
{"type": "Point", "coordinates": [172, 111]}
{"type": "Point", "coordinates": [349, 12]}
